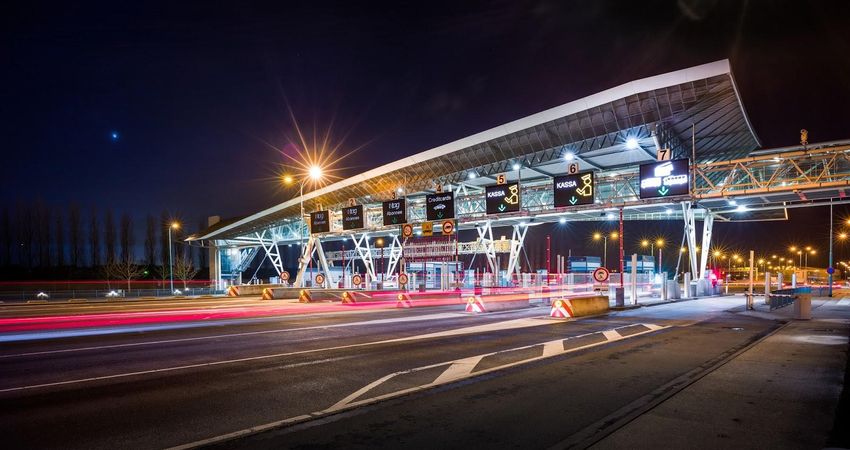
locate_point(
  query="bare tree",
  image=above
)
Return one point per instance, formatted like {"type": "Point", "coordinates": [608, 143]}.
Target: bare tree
{"type": "Point", "coordinates": [164, 223]}
{"type": "Point", "coordinates": [184, 269]}
{"type": "Point", "coordinates": [124, 269]}
{"type": "Point", "coordinates": [59, 241]}
{"type": "Point", "coordinates": [75, 235]}
{"type": "Point", "coordinates": [202, 252]}
{"type": "Point", "coordinates": [94, 238]}
{"type": "Point", "coordinates": [110, 236]}
{"type": "Point", "coordinates": [6, 238]}
{"type": "Point", "coordinates": [126, 237]}
{"type": "Point", "coordinates": [41, 234]}
{"type": "Point", "coordinates": [150, 240]}
{"type": "Point", "coordinates": [25, 234]}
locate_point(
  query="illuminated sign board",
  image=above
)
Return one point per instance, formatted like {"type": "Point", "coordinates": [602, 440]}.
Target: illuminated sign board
{"type": "Point", "coordinates": [320, 222]}
{"type": "Point", "coordinates": [395, 212]}
{"type": "Point", "coordinates": [352, 217]}
{"type": "Point", "coordinates": [575, 189]}
{"type": "Point", "coordinates": [440, 206]}
{"type": "Point", "coordinates": [502, 198]}
{"type": "Point", "coordinates": [664, 179]}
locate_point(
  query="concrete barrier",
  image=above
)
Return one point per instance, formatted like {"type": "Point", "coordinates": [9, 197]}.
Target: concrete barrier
{"type": "Point", "coordinates": [563, 308]}
{"type": "Point", "coordinates": [490, 303]}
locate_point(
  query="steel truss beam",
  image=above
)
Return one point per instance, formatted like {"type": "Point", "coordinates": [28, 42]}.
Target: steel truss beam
{"type": "Point", "coordinates": [517, 241]}
{"type": "Point", "coordinates": [269, 244]}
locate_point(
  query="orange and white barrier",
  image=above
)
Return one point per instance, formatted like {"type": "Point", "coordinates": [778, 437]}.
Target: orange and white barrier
{"type": "Point", "coordinates": [474, 304]}
{"type": "Point", "coordinates": [404, 301]}
{"type": "Point", "coordinates": [561, 309]}
{"type": "Point", "coordinates": [233, 291]}
{"type": "Point", "coordinates": [304, 296]}
{"type": "Point", "coordinates": [268, 294]}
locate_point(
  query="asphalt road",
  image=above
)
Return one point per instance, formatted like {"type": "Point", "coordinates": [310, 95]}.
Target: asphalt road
{"type": "Point", "coordinates": [511, 379]}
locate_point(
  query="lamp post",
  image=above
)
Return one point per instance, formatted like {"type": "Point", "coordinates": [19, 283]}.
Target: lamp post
{"type": "Point", "coordinates": [173, 226]}
{"type": "Point", "coordinates": [380, 243]}
{"type": "Point", "coordinates": [597, 236]}
{"type": "Point", "coordinates": [314, 173]}
{"type": "Point", "coordinates": [660, 243]}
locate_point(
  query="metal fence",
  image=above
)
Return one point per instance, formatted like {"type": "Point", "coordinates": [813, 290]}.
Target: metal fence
{"type": "Point", "coordinates": [101, 294]}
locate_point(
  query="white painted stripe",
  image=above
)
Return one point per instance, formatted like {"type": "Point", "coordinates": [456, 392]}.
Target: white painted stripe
{"type": "Point", "coordinates": [168, 369]}
{"type": "Point", "coordinates": [457, 332]}
{"type": "Point", "coordinates": [612, 335]}
{"type": "Point", "coordinates": [348, 403]}
{"type": "Point", "coordinates": [458, 370]}
{"type": "Point", "coordinates": [844, 302]}
{"type": "Point", "coordinates": [247, 333]}
{"type": "Point", "coordinates": [553, 348]}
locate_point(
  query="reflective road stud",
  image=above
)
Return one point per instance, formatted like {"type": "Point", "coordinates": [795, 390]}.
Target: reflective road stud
{"type": "Point", "coordinates": [561, 309]}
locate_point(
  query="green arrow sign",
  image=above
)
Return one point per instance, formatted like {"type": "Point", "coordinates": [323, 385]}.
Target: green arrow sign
{"type": "Point", "coordinates": [440, 215]}
{"type": "Point", "coordinates": [573, 200]}
{"type": "Point", "coordinates": [502, 208]}
{"type": "Point", "coordinates": [663, 190]}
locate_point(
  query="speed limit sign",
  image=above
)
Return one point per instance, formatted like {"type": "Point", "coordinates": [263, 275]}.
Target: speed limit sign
{"type": "Point", "coordinates": [284, 276]}
{"type": "Point", "coordinates": [320, 279]}
{"type": "Point", "coordinates": [402, 279]}
{"type": "Point", "coordinates": [357, 280]}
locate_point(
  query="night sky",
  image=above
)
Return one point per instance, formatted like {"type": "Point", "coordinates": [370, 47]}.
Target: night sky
{"type": "Point", "coordinates": [199, 96]}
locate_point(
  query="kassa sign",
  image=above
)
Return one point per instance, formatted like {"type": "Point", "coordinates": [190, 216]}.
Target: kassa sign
{"type": "Point", "coordinates": [440, 206]}
{"type": "Point", "coordinates": [664, 179]}
{"type": "Point", "coordinates": [320, 222]}
{"type": "Point", "coordinates": [395, 212]}
{"type": "Point", "coordinates": [575, 189]}
{"type": "Point", "coordinates": [502, 198]}
{"type": "Point", "coordinates": [352, 217]}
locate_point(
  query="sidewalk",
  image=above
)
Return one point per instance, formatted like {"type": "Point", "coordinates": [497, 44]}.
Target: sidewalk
{"type": "Point", "coordinates": [780, 393]}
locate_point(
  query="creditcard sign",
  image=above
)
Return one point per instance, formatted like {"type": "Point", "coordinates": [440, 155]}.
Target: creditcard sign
{"type": "Point", "coordinates": [440, 206]}
{"type": "Point", "coordinates": [665, 179]}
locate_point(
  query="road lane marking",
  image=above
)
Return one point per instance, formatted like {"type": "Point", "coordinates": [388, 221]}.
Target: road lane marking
{"type": "Point", "coordinates": [511, 324]}
{"type": "Point", "coordinates": [168, 369]}
{"type": "Point", "coordinates": [454, 374]}
{"type": "Point", "coordinates": [247, 333]}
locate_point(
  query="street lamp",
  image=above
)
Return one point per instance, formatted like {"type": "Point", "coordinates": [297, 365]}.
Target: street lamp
{"type": "Point", "coordinates": [173, 226]}
{"type": "Point", "coordinates": [597, 236]}
{"type": "Point", "coordinates": [380, 243]}
{"type": "Point", "coordinates": [314, 173]}
{"type": "Point", "coordinates": [660, 243]}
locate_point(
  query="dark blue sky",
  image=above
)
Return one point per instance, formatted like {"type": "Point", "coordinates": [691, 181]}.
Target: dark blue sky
{"type": "Point", "coordinates": [195, 91]}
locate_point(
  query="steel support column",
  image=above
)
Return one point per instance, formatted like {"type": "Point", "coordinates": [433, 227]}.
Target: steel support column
{"type": "Point", "coordinates": [361, 246]}
{"type": "Point", "coordinates": [269, 245]}
{"type": "Point", "coordinates": [517, 240]}
{"type": "Point", "coordinates": [485, 237]}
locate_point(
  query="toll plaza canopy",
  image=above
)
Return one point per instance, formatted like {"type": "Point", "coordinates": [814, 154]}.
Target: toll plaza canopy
{"type": "Point", "coordinates": [610, 132]}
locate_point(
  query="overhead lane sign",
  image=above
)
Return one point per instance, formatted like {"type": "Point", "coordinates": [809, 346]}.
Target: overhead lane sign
{"type": "Point", "coordinates": [320, 222]}
{"type": "Point", "coordinates": [395, 212]}
{"type": "Point", "coordinates": [352, 218]}
{"type": "Point", "coordinates": [574, 189]}
{"type": "Point", "coordinates": [665, 179]}
{"type": "Point", "coordinates": [502, 198]}
{"type": "Point", "coordinates": [440, 206]}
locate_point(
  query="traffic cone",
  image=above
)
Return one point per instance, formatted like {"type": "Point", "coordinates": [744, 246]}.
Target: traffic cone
{"type": "Point", "coordinates": [475, 305]}
{"type": "Point", "coordinates": [304, 296]}
{"type": "Point", "coordinates": [349, 297]}
{"type": "Point", "coordinates": [404, 301]}
{"type": "Point", "coordinates": [561, 309]}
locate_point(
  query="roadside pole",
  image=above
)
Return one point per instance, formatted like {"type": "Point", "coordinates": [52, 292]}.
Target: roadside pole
{"type": "Point", "coordinates": [750, 292]}
{"type": "Point", "coordinates": [830, 270]}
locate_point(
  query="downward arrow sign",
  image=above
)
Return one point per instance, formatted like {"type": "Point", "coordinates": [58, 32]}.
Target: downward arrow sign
{"type": "Point", "coordinates": [663, 190]}
{"type": "Point", "coordinates": [573, 200]}
{"type": "Point", "coordinates": [502, 208]}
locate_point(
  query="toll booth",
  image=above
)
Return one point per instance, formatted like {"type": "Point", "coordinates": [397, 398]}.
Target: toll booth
{"type": "Point", "coordinates": [436, 274]}
{"type": "Point", "coordinates": [583, 264]}
{"type": "Point", "coordinates": [645, 264]}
